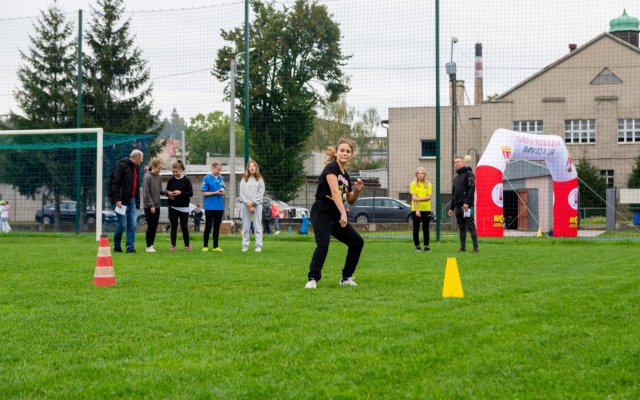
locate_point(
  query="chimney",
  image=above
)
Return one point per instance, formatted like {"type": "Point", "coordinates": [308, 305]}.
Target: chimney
{"type": "Point", "coordinates": [460, 93]}
{"type": "Point", "coordinates": [479, 92]}
{"type": "Point", "coordinates": [572, 47]}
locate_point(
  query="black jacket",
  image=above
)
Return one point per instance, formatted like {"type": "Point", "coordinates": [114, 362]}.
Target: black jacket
{"type": "Point", "coordinates": [464, 188]}
{"type": "Point", "coordinates": [121, 182]}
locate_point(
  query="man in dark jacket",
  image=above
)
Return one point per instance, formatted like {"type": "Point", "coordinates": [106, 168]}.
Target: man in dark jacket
{"type": "Point", "coordinates": [462, 192]}
{"type": "Point", "coordinates": [124, 191]}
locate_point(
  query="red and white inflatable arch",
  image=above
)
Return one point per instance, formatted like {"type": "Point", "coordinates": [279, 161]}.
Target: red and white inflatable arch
{"type": "Point", "coordinates": [505, 145]}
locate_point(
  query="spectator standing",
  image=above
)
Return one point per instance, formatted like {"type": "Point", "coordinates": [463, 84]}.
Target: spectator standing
{"type": "Point", "coordinates": [275, 216]}
{"type": "Point", "coordinates": [196, 216]}
{"type": "Point", "coordinates": [213, 189]}
{"type": "Point", "coordinates": [5, 209]}
{"type": "Point", "coordinates": [462, 198]}
{"type": "Point", "coordinates": [329, 217]}
{"type": "Point", "coordinates": [151, 190]}
{"type": "Point", "coordinates": [420, 190]}
{"type": "Point", "coordinates": [251, 193]}
{"type": "Point", "coordinates": [124, 191]}
{"type": "Point", "coordinates": [179, 191]}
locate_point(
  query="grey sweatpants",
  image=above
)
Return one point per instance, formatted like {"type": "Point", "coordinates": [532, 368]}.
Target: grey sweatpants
{"type": "Point", "coordinates": [246, 225]}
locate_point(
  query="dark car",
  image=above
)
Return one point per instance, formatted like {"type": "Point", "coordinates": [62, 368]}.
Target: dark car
{"type": "Point", "coordinates": [379, 209]}
{"type": "Point", "coordinates": [46, 214]}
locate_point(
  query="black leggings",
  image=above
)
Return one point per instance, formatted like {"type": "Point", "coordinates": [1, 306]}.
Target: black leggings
{"type": "Point", "coordinates": [213, 218]}
{"type": "Point", "coordinates": [174, 216]}
{"type": "Point", "coordinates": [152, 225]}
{"type": "Point", "coordinates": [326, 225]}
{"type": "Point", "coordinates": [425, 218]}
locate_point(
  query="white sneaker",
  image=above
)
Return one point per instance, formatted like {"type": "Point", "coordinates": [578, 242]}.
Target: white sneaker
{"type": "Point", "coordinates": [348, 282]}
{"type": "Point", "coordinates": [258, 249]}
{"type": "Point", "coordinates": [245, 249]}
{"type": "Point", "coordinates": [150, 249]}
{"type": "Point", "coordinates": [311, 284]}
{"type": "Point", "coordinates": [277, 232]}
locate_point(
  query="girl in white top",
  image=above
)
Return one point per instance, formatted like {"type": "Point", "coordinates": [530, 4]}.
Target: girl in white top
{"type": "Point", "coordinates": [251, 193]}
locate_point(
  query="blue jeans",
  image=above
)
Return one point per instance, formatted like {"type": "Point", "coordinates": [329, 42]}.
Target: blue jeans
{"type": "Point", "coordinates": [127, 220]}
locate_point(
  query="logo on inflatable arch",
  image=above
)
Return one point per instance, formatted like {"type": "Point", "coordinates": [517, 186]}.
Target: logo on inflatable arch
{"type": "Point", "coordinates": [496, 195]}
{"type": "Point", "coordinates": [506, 152]}
{"type": "Point", "coordinates": [573, 198]}
{"type": "Point", "coordinates": [569, 164]}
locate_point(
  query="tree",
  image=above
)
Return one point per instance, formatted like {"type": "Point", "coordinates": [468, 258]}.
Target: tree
{"type": "Point", "coordinates": [47, 99]}
{"type": "Point", "coordinates": [634, 177]}
{"type": "Point", "coordinates": [295, 65]}
{"type": "Point", "coordinates": [117, 91]}
{"type": "Point", "coordinates": [173, 128]}
{"type": "Point", "coordinates": [592, 186]}
{"type": "Point", "coordinates": [340, 120]}
{"type": "Point", "coordinates": [210, 134]}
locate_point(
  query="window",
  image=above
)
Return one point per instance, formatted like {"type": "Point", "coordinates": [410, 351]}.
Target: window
{"type": "Point", "coordinates": [607, 174]}
{"type": "Point", "coordinates": [364, 203]}
{"type": "Point", "coordinates": [428, 148]}
{"type": "Point", "coordinates": [628, 130]}
{"type": "Point", "coordinates": [580, 131]}
{"type": "Point", "coordinates": [536, 126]}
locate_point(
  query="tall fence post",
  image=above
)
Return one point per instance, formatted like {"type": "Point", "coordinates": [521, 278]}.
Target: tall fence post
{"type": "Point", "coordinates": [611, 209]}
{"type": "Point", "coordinates": [79, 125]}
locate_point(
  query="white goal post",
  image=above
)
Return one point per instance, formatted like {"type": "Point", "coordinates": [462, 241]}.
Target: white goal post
{"type": "Point", "coordinates": [99, 160]}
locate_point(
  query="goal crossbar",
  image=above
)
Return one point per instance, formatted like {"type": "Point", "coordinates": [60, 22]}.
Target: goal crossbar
{"type": "Point", "coordinates": [99, 160]}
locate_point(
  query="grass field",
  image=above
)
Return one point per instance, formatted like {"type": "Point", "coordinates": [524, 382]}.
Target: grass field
{"type": "Point", "coordinates": [541, 319]}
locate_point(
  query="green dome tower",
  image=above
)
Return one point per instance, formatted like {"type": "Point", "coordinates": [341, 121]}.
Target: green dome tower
{"type": "Point", "coordinates": [625, 27]}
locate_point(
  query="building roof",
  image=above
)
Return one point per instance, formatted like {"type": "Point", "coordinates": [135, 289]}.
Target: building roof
{"type": "Point", "coordinates": [624, 23]}
{"type": "Point", "coordinates": [602, 36]}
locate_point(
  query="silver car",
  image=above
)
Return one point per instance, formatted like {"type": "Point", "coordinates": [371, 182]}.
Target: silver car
{"type": "Point", "coordinates": [379, 209]}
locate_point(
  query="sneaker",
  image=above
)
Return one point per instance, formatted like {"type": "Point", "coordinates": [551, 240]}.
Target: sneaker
{"type": "Point", "coordinates": [462, 250]}
{"type": "Point", "coordinates": [173, 248]}
{"type": "Point", "coordinates": [347, 282]}
{"type": "Point", "coordinates": [418, 249]}
{"type": "Point", "coordinates": [245, 249]}
{"type": "Point", "coordinates": [117, 250]}
{"type": "Point", "coordinates": [476, 250]}
{"type": "Point", "coordinates": [205, 249]}
{"type": "Point", "coordinates": [277, 232]}
{"type": "Point", "coordinates": [188, 248]}
{"type": "Point", "coordinates": [131, 250]}
{"type": "Point", "coordinates": [150, 249]}
{"type": "Point", "coordinates": [311, 284]}
{"type": "Point", "coordinates": [218, 249]}
{"type": "Point", "coordinates": [427, 249]}
{"type": "Point", "coordinates": [258, 249]}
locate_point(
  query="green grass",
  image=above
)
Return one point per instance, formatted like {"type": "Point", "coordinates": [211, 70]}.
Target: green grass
{"type": "Point", "coordinates": [541, 319]}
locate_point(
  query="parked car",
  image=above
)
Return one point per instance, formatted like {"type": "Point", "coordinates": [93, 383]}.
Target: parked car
{"type": "Point", "coordinates": [164, 212]}
{"type": "Point", "coordinates": [46, 214]}
{"type": "Point", "coordinates": [379, 209]}
{"type": "Point", "coordinates": [286, 211]}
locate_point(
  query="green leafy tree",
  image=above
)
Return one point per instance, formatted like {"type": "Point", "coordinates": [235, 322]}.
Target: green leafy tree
{"type": "Point", "coordinates": [295, 65]}
{"type": "Point", "coordinates": [117, 90]}
{"type": "Point", "coordinates": [210, 134]}
{"type": "Point", "coordinates": [340, 120]}
{"type": "Point", "coordinates": [591, 185]}
{"type": "Point", "coordinates": [173, 128]}
{"type": "Point", "coordinates": [46, 96]}
{"type": "Point", "coordinates": [634, 177]}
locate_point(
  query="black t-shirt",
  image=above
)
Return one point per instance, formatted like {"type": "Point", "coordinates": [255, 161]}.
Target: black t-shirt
{"type": "Point", "coordinates": [344, 183]}
{"type": "Point", "coordinates": [184, 186]}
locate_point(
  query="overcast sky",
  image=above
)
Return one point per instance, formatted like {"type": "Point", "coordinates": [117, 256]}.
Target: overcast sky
{"type": "Point", "coordinates": [391, 43]}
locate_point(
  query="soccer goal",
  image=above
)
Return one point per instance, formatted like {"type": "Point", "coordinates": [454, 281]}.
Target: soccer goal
{"type": "Point", "coordinates": [54, 179]}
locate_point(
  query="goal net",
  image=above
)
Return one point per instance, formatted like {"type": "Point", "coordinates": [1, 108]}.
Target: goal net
{"type": "Point", "coordinates": [56, 180]}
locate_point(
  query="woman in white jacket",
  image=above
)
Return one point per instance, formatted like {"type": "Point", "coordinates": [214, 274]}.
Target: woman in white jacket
{"type": "Point", "coordinates": [251, 193]}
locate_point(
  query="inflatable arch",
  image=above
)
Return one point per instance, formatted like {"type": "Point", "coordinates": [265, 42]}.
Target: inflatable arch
{"type": "Point", "coordinates": [505, 145]}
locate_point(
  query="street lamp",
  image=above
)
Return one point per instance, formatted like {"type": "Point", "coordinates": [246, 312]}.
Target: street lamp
{"type": "Point", "coordinates": [451, 71]}
{"type": "Point", "coordinates": [385, 125]}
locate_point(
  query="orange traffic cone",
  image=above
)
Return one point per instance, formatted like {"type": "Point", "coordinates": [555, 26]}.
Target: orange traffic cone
{"type": "Point", "coordinates": [104, 275]}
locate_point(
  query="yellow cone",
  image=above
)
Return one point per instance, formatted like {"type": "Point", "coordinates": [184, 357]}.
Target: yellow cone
{"type": "Point", "coordinates": [452, 285]}
{"type": "Point", "coordinates": [539, 234]}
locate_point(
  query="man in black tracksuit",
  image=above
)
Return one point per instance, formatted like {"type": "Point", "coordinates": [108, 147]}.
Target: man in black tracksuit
{"type": "Point", "coordinates": [462, 192]}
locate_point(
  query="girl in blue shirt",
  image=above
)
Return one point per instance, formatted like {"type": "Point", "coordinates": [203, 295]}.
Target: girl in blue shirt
{"type": "Point", "coordinates": [213, 189]}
